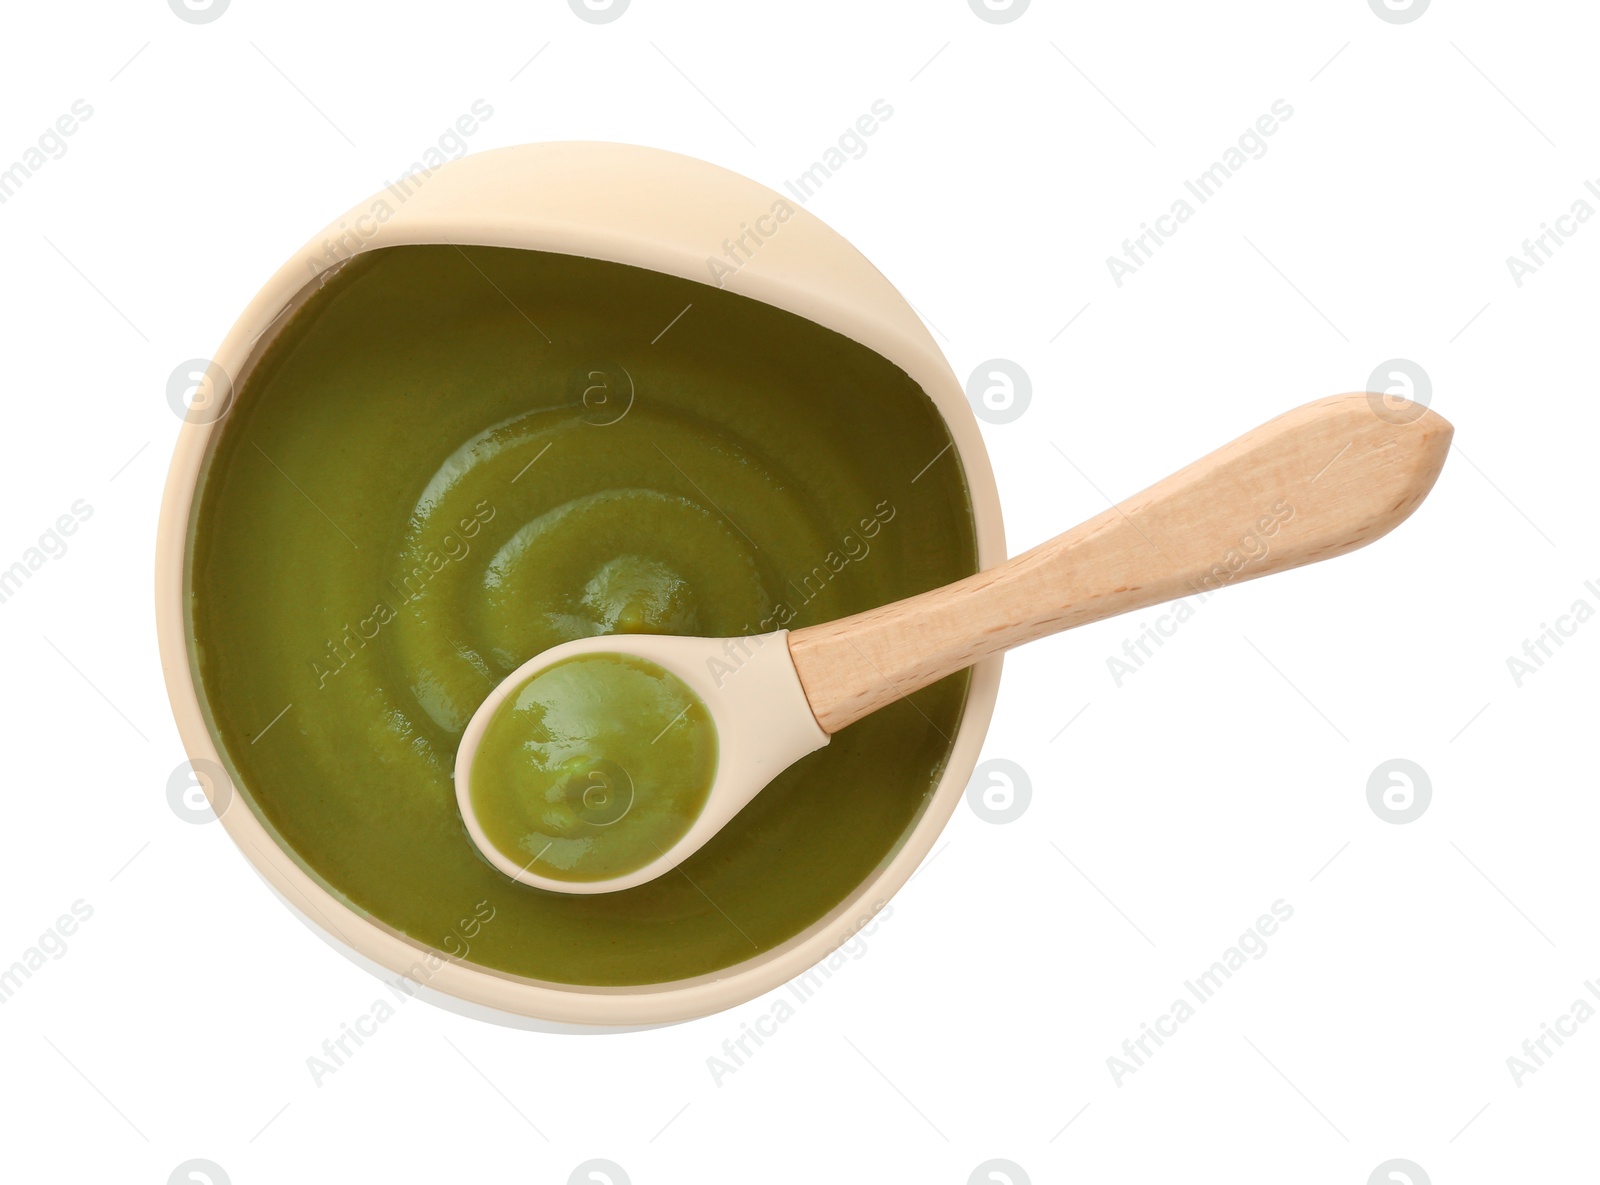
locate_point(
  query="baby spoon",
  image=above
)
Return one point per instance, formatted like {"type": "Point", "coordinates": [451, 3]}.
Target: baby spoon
{"type": "Point", "coordinates": [1314, 483]}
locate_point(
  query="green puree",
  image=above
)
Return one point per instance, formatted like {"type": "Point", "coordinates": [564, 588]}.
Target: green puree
{"type": "Point", "coordinates": [594, 767]}
{"type": "Point", "coordinates": [451, 460]}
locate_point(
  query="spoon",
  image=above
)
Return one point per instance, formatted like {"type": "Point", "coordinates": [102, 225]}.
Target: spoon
{"type": "Point", "coordinates": [1316, 482]}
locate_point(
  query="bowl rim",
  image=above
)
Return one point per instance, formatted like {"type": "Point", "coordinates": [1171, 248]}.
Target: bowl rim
{"type": "Point", "coordinates": [625, 204]}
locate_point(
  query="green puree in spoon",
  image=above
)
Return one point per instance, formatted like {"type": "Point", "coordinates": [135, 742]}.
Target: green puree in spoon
{"type": "Point", "coordinates": [450, 460]}
{"type": "Point", "coordinates": [594, 767]}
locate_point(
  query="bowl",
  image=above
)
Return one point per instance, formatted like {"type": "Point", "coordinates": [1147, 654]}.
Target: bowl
{"type": "Point", "coordinates": [624, 204]}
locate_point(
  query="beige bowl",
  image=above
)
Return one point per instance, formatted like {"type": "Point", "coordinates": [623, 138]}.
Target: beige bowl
{"type": "Point", "coordinates": [655, 210]}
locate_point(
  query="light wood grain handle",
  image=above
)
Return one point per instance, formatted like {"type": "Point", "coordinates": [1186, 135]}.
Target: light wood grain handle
{"type": "Point", "coordinates": [1314, 483]}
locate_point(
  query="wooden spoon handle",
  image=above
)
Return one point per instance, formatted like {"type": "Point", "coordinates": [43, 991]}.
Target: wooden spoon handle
{"type": "Point", "coordinates": [1314, 483]}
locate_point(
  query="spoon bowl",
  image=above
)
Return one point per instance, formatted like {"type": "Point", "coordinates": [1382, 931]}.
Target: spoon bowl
{"type": "Point", "coordinates": [763, 722]}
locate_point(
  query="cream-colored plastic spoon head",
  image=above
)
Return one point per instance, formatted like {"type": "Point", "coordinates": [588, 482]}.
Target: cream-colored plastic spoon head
{"type": "Point", "coordinates": [1314, 483]}
{"type": "Point", "coordinates": [763, 722]}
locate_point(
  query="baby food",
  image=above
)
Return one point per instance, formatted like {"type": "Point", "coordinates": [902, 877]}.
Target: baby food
{"type": "Point", "coordinates": [453, 458]}
{"type": "Point", "coordinates": [594, 767]}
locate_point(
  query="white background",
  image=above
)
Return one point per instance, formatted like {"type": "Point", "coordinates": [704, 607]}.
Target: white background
{"type": "Point", "coordinates": [1226, 774]}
